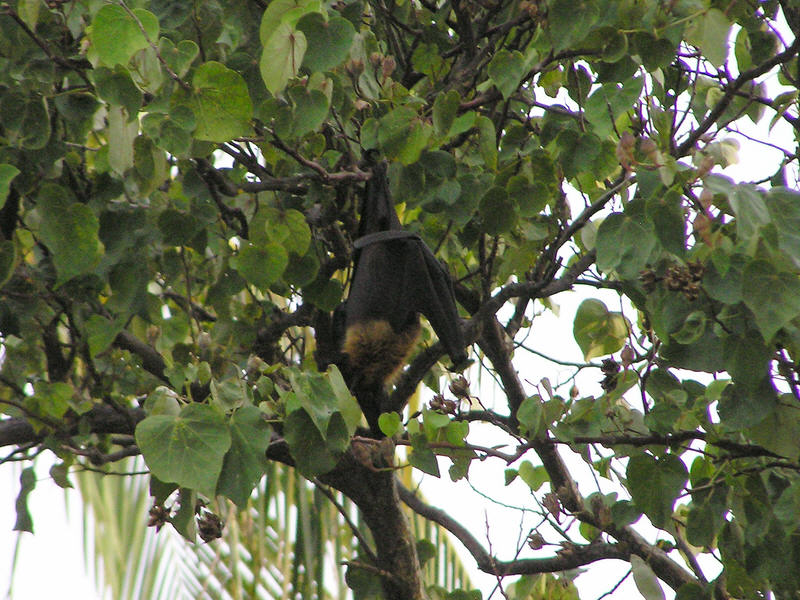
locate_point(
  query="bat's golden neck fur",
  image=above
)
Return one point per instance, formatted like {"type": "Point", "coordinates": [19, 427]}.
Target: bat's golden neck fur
{"type": "Point", "coordinates": [375, 352]}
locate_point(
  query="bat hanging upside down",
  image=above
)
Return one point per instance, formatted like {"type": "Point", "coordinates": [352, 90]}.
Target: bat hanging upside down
{"type": "Point", "coordinates": [396, 277]}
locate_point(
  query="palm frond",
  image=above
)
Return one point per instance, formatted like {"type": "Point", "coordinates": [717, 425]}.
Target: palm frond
{"type": "Point", "coordinates": [290, 540]}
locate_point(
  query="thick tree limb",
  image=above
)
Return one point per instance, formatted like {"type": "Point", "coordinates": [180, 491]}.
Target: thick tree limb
{"type": "Point", "coordinates": [152, 361]}
{"type": "Point", "coordinates": [375, 494]}
{"type": "Point", "coordinates": [102, 419]}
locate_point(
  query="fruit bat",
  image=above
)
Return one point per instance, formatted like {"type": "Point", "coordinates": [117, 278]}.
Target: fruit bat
{"type": "Point", "coordinates": [396, 278]}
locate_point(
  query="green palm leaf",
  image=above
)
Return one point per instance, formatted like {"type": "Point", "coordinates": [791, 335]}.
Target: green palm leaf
{"type": "Point", "coordinates": [290, 540]}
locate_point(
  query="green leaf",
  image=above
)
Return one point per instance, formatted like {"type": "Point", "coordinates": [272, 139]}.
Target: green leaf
{"type": "Point", "coordinates": [364, 583]}
{"type": "Point", "coordinates": [51, 400]}
{"type": "Point", "coordinates": [284, 11]}
{"type": "Point", "coordinates": [655, 484]}
{"type": "Point", "coordinates": [287, 228]}
{"type": "Point", "coordinates": [645, 579]}
{"type": "Point", "coordinates": [693, 328]}
{"type": "Point", "coordinates": [423, 458]}
{"type": "Point", "coordinates": [184, 520]}
{"type": "Point", "coordinates": [742, 406]}
{"type": "Point", "coordinates": [425, 551]}
{"type": "Point", "coordinates": [498, 212]}
{"type": "Point", "coordinates": [608, 102]}
{"type": "Point", "coordinates": [487, 141]}
{"type": "Point", "coordinates": [784, 209]}
{"type": "Point", "coordinates": [121, 134]}
{"type": "Point", "coordinates": [666, 213]}
{"type": "Point", "coordinates": [117, 88]}
{"type": "Point", "coordinates": [624, 513]}
{"type": "Point", "coordinates": [780, 430]}
{"type": "Point", "coordinates": [456, 433]}
{"type": "Point", "coordinates": [261, 265]}
{"type": "Point", "coordinates": [227, 394]}
{"type": "Point", "coordinates": [427, 59]}
{"type": "Point", "coordinates": [534, 477]}
{"type": "Point", "coordinates": [27, 482]}
{"type": "Point", "coordinates": [439, 164]}
{"type": "Point", "coordinates": [162, 401]}
{"type": "Point", "coordinates": [101, 333]}
{"type": "Point", "coordinates": [8, 256]}
{"type": "Point", "coordinates": [571, 21]}
{"type": "Point", "coordinates": [506, 70]}
{"type": "Point", "coordinates": [117, 35]}
{"type": "Point", "coordinates": [301, 270]}
{"type": "Point", "coordinates": [748, 204]}
{"type": "Point", "coordinates": [624, 244]}
{"type": "Point", "coordinates": [178, 228]}
{"type": "Point", "coordinates": [324, 294]}
{"type": "Point", "coordinates": [28, 11]}
{"type": "Point", "coordinates": [390, 424]}
{"type": "Point", "coordinates": [709, 32]}
{"type": "Point", "coordinates": [187, 449]}
{"type": "Point", "coordinates": [325, 397]}
{"type": "Point", "coordinates": [220, 102]}
{"type": "Point", "coordinates": [310, 110]}
{"type": "Point", "coordinates": [433, 420]}
{"type": "Point", "coordinates": [578, 153]}
{"type": "Point", "coordinates": [772, 295]}
{"type": "Point", "coordinates": [529, 415]}
{"type": "Point", "coordinates": [180, 57]}
{"type": "Point", "coordinates": [59, 473]}
{"type": "Point", "coordinates": [597, 330]}
{"type": "Point", "coordinates": [7, 174]}
{"type": "Point", "coordinates": [245, 462]}
{"type": "Point", "coordinates": [656, 53]}
{"type": "Point", "coordinates": [70, 231]}
{"type": "Point", "coordinates": [26, 120]}
{"type": "Point", "coordinates": [403, 135]}
{"type": "Point", "coordinates": [445, 110]}
{"type": "Point", "coordinates": [282, 56]}
{"type": "Point", "coordinates": [309, 449]}
{"type": "Point", "coordinates": [328, 42]}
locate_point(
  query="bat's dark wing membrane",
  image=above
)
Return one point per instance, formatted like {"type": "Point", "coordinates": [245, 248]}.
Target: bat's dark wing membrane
{"type": "Point", "coordinates": [436, 300]}
{"type": "Point", "coordinates": [377, 208]}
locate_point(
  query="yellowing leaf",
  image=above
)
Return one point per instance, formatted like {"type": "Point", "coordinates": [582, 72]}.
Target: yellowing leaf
{"type": "Point", "coordinates": [598, 331]}
{"type": "Point", "coordinates": [710, 34]}
{"type": "Point", "coordinates": [282, 56]}
{"type": "Point", "coordinates": [221, 103]}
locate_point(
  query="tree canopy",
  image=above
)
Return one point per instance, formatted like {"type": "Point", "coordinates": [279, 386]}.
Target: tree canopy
{"type": "Point", "coordinates": [179, 191]}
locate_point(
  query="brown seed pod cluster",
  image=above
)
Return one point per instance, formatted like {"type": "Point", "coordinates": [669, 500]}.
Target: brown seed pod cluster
{"type": "Point", "coordinates": [609, 368]}
{"type": "Point", "coordinates": [159, 515]}
{"type": "Point", "coordinates": [441, 404]}
{"type": "Point", "coordinates": [209, 526]}
{"type": "Point", "coordinates": [685, 279]}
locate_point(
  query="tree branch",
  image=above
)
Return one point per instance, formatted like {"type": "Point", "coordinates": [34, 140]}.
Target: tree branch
{"type": "Point", "coordinates": [102, 419]}
{"type": "Point", "coordinates": [152, 361]}
{"type": "Point", "coordinates": [730, 92]}
{"type": "Point", "coordinates": [561, 480]}
{"type": "Point", "coordinates": [570, 557]}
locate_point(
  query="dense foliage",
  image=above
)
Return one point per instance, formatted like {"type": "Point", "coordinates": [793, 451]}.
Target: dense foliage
{"type": "Point", "coordinates": [179, 185]}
